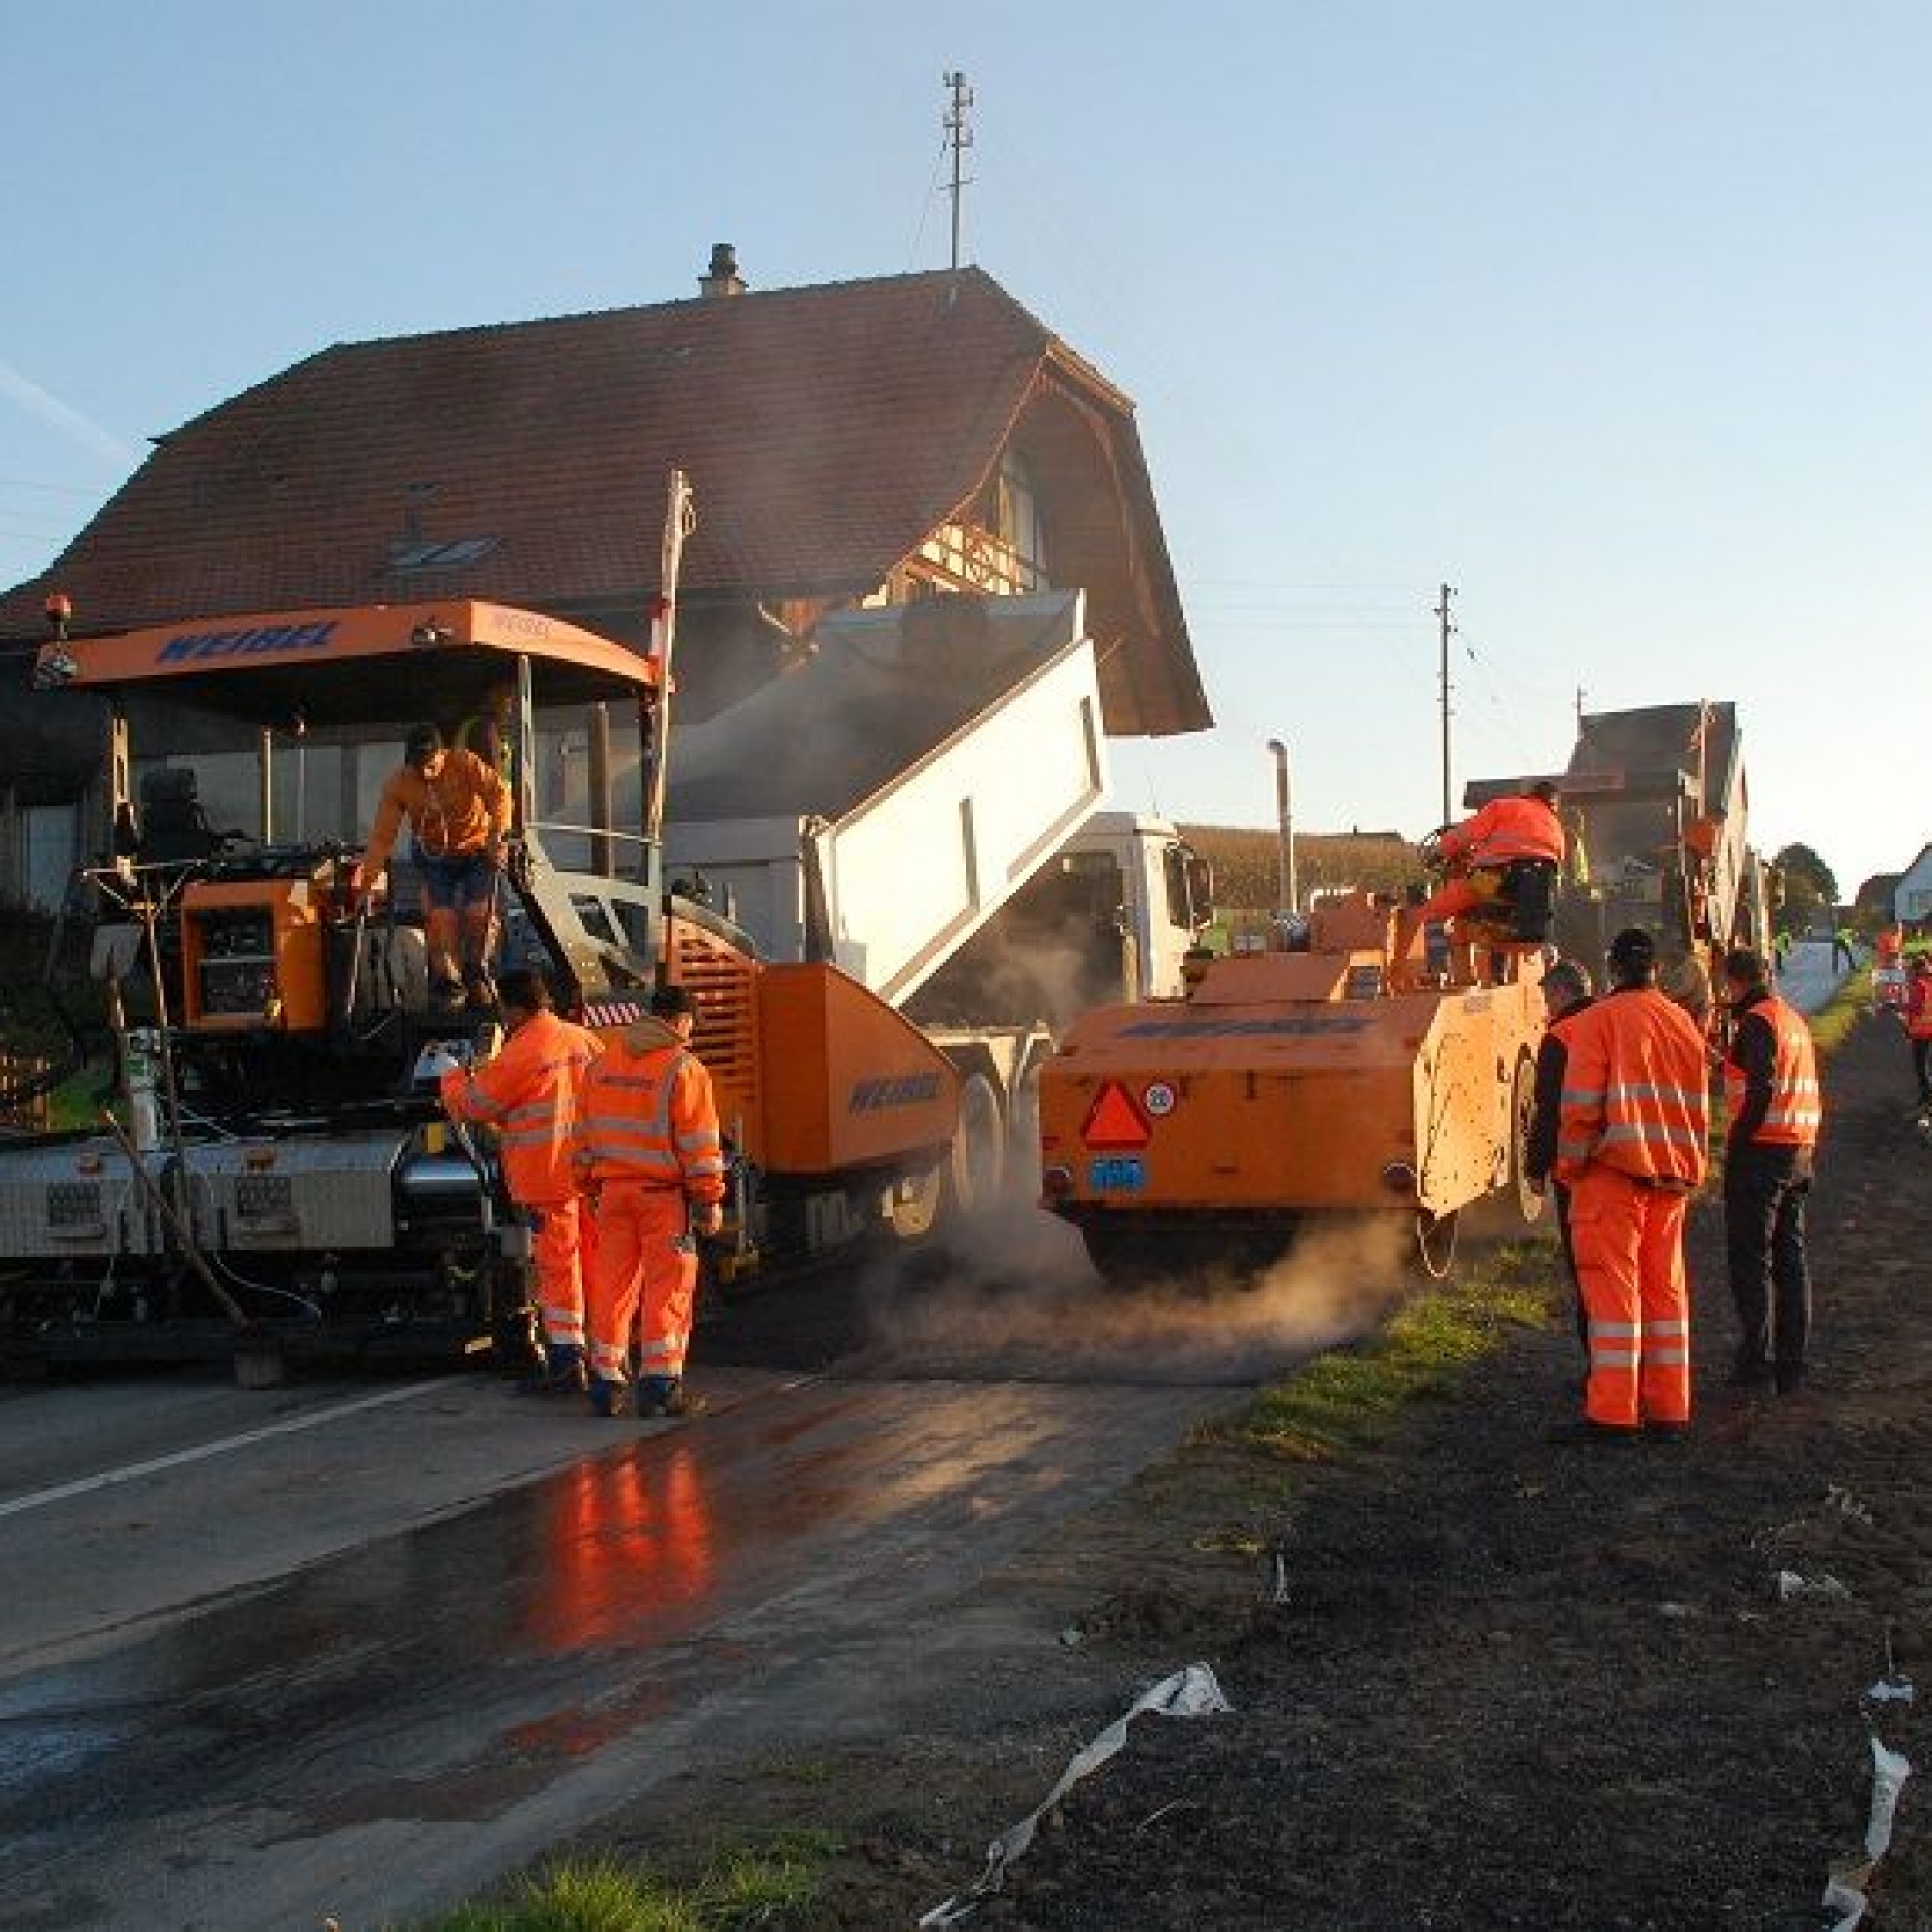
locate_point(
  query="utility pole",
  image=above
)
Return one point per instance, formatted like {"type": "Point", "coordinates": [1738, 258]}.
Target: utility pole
{"type": "Point", "coordinates": [1289, 889]}
{"type": "Point", "coordinates": [959, 137]}
{"type": "Point", "coordinates": [1448, 631]}
{"type": "Point", "coordinates": [1580, 696]}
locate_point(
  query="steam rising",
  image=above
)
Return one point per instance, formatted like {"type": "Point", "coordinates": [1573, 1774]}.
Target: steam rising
{"type": "Point", "coordinates": [1025, 1305]}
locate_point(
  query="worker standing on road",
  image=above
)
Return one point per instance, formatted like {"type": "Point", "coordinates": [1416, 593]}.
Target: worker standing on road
{"type": "Point", "coordinates": [648, 1152]}
{"type": "Point", "coordinates": [1566, 995]}
{"type": "Point", "coordinates": [529, 1092]}
{"type": "Point", "coordinates": [1845, 947]}
{"type": "Point", "coordinates": [1772, 1095]}
{"type": "Point", "coordinates": [1917, 1021]}
{"type": "Point", "coordinates": [1479, 849]}
{"type": "Point", "coordinates": [459, 811]}
{"type": "Point", "coordinates": [1631, 1148]}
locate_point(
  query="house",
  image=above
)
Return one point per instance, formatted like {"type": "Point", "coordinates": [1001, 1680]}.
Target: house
{"type": "Point", "coordinates": [1912, 895]}
{"type": "Point", "coordinates": [855, 442]}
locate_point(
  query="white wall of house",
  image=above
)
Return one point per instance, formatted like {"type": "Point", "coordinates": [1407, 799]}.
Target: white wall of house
{"type": "Point", "coordinates": [1911, 898]}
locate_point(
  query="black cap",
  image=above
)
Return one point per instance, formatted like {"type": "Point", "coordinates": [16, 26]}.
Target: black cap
{"type": "Point", "coordinates": [668, 1003]}
{"type": "Point", "coordinates": [1545, 790]}
{"type": "Point", "coordinates": [424, 740]}
{"type": "Point", "coordinates": [1634, 949]}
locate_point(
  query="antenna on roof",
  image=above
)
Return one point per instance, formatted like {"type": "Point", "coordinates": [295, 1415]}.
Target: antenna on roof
{"type": "Point", "coordinates": [959, 137]}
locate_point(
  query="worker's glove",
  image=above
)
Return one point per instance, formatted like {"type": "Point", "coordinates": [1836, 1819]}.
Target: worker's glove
{"type": "Point", "coordinates": [707, 1218]}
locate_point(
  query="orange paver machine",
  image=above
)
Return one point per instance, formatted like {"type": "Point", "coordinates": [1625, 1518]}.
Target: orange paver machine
{"type": "Point", "coordinates": [1361, 1075]}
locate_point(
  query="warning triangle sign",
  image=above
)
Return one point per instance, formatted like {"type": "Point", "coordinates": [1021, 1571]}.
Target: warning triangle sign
{"type": "Point", "coordinates": [1113, 1121]}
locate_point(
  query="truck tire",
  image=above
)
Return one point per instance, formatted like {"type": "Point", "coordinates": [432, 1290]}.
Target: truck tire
{"type": "Point", "coordinates": [979, 1165]}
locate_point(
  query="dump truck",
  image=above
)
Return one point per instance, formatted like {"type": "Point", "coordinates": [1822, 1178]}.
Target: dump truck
{"type": "Point", "coordinates": [1360, 1075]}
{"type": "Point", "coordinates": [277, 1167]}
{"type": "Point", "coordinates": [1658, 810]}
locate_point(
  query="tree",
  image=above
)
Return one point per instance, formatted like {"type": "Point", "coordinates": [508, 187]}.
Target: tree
{"type": "Point", "coordinates": [1810, 896]}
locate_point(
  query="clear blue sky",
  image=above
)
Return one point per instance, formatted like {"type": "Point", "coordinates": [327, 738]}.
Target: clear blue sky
{"type": "Point", "coordinates": [1615, 314]}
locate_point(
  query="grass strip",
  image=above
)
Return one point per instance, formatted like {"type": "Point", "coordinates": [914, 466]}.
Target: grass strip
{"type": "Point", "coordinates": [740, 1887]}
{"type": "Point", "coordinates": [1350, 1398]}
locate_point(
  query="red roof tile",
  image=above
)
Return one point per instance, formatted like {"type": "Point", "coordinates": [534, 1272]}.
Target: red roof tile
{"type": "Point", "coordinates": [826, 432]}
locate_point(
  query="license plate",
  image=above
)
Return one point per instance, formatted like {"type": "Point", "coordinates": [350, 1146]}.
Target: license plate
{"type": "Point", "coordinates": [1118, 1173]}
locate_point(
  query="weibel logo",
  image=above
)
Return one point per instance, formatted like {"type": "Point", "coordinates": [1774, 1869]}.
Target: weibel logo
{"type": "Point", "coordinates": [256, 642]}
{"type": "Point", "coordinates": [904, 1090]}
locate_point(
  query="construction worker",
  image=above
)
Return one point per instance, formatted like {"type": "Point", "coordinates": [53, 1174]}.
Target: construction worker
{"type": "Point", "coordinates": [1631, 1150]}
{"type": "Point", "coordinates": [1845, 947]}
{"type": "Point", "coordinates": [1918, 1022]}
{"type": "Point", "coordinates": [528, 1093]}
{"type": "Point", "coordinates": [648, 1151]}
{"type": "Point", "coordinates": [1771, 1096]}
{"type": "Point", "coordinates": [1888, 947]}
{"type": "Point", "coordinates": [459, 811]}
{"type": "Point", "coordinates": [1479, 850]}
{"type": "Point", "coordinates": [490, 731]}
{"type": "Point", "coordinates": [1567, 993]}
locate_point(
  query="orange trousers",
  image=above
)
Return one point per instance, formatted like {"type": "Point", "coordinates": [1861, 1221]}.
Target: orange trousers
{"type": "Point", "coordinates": [561, 1229]}
{"type": "Point", "coordinates": [644, 1276]}
{"type": "Point", "coordinates": [1628, 1244]}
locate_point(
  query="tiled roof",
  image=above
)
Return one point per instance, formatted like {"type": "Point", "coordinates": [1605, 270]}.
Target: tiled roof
{"type": "Point", "coordinates": [826, 432]}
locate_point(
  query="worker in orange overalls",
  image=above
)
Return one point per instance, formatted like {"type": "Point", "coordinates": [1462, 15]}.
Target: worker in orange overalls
{"type": "Point", "coordinates": [1917, 1021]}
{"type": "Point", "coordinates": [459, 810]}
{"type": "Point", "coordinates": [1773, 1098]}
{"type": "Point", "coordinates": [529, 1092]}
{"type": "Point", "coordinates": [1568, 993]}
{"type": "Point", "coordinates": [1631, 1148]}
{"type": "Point", "coordinates": [648, 1151]}
{"type": "Point", "coordinates": [1480, 848]}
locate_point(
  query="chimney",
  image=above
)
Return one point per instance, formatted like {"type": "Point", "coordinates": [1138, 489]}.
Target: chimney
{"type": "Point", "coordinates": [722, 277]}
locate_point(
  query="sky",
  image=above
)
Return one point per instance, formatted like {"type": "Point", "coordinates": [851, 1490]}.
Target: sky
{"type": "Point", "coordinates": [1614, 315]}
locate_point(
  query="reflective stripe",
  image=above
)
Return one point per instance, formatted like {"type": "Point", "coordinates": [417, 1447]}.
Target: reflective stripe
{"type": "Point", "coordinates": [1673, 1327]}
{"type": "Point", "coordinates": [1666, 1358]}
{"type": "Point", "coordinates": [1614, 1328]}
{"type": "Point", "coordinates": [1636, 1090]}
{"type": "Point", "coordinates": [1583, 1097]}
{"type": "Point", "coordinates": [1648, 1133]}
{"type": "Point", "coordinates": [1612, 1358]}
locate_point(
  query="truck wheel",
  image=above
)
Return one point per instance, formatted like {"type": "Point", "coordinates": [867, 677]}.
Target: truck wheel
{"type": "Point", "coordinates": [979, 1166]}
{"type": "Point", "coordinates": [1527, 1200]}
{"type": "Point", "coordinates": [1023, 1159]}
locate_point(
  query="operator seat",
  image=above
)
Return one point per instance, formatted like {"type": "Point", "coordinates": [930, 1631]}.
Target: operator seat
{"type": "Point", "coordinates": [174, 828]}
{"type": "Point", "coordinates": [1525, 907]}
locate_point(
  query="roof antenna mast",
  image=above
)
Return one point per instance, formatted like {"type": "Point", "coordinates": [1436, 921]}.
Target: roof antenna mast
{"type": "Point", "coordinates": [959, 137]}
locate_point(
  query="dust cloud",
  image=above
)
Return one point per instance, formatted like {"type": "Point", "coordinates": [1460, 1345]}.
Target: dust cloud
{"type": "Point", "coordinates": [1021, 1303]}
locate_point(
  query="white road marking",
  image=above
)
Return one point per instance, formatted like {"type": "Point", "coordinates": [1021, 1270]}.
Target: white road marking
{"type": "Point", "coordinates": [134, 1471]}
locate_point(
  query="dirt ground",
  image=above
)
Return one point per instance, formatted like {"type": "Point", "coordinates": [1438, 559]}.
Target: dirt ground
{"type": "Point", "coordinates": [1511, 1684]}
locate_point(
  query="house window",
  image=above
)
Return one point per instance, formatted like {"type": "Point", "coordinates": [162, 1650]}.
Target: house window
{"type": "Point", "coordinates": [1016, 520]}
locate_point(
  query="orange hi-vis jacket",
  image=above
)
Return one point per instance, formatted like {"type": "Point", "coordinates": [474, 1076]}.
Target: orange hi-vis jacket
{"type": "Point", "coordinates": [463, 809]}
{"type": "Point", "coordinates": [1919, 1007]}
{"type": "Point", "coordinates": [1504, 830]}
{"type": "Point", "coordinates": [1888, 947]}
{"type": "Point", "coordinates": [529, 1092]}
{"type": "Point", "coordinates": [647, 1117]}
{"type": "Point", "coordinates": [1636, 1093]}
{"type": "Point", "coordinates": [1792, 1112]}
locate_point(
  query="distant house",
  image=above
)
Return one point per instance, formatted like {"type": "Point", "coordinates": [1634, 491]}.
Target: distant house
{"type": "Point", "coordinates": [857, 442]}
{"type": "Point", "coordinates": [1912, 895]}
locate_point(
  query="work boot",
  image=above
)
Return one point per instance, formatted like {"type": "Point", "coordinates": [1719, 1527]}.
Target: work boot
{"type": "Point", "coordinates": [666, 1396]}
{"type": "Point", "coordinates": [559, 1371]}
{"type": "Point", "coordinates": [1666, 1432]}
{"type": "Point", "coordinates": [609, 1400]}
